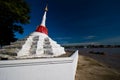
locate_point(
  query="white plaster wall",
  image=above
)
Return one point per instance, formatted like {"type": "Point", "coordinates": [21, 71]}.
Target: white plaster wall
{"type": "Point", "coordinates": [39, 69]}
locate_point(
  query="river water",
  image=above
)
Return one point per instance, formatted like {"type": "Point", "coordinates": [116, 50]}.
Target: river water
{"type": "Point", "coordinates": [111, 56]}
{"type": "Point", "coordinates": [105, 50]}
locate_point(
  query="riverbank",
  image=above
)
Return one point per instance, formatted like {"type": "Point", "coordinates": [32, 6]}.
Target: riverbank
{"type": "Point", "coordinates": [90, 69]}
{"type": "Point", "coordinates": [110, 59]}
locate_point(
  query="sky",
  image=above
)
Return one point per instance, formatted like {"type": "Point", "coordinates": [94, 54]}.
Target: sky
{"type": "Point", "coordinates": [77, 21]}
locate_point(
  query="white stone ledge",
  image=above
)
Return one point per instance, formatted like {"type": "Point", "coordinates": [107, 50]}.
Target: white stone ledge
{"type": "Point", "coordinates": [17, 63]}
{"type": "Point", "coordinates": [40, 69]}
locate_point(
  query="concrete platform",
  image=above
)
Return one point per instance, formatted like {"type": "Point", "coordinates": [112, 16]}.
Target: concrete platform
{"type": "Point", "coordinates": [40, 69]}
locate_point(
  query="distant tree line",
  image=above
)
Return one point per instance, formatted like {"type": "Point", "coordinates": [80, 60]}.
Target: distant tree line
{"type": "Point", "coordinates": [90, 46]}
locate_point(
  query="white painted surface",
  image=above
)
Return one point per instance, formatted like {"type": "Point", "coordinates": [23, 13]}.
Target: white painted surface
{"type": "Point", "coordinates": [40, 69]}
{"type": "Point", "coordinates": [44, 19]}
{"type": "Point", "coordinates": [25, 51]}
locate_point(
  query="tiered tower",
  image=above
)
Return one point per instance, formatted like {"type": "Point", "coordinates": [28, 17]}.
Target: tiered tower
{"type": "Point", "coordinates": [39, 44]}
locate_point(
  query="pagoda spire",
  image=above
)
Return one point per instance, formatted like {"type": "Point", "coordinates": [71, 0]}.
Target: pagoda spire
{"type": "Point", "coordinates": [44, 17]}
{"type": "Point", "coordinates": [42, 27]}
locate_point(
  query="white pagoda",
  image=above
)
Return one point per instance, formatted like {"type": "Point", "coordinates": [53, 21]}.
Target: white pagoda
{"type": "Point", "coordinates": [39, 44]}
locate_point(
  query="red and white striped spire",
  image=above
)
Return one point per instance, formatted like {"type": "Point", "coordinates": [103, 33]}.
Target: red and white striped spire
{"type": "Point", "coordinates": [42, 27]}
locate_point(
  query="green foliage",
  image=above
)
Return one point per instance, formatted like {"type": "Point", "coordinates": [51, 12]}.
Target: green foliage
{"type": "Point", "coordinates": [13, 13]}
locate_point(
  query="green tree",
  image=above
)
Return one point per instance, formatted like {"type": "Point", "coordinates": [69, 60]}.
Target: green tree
{"type": "Point", "coordinates": [13, 13]}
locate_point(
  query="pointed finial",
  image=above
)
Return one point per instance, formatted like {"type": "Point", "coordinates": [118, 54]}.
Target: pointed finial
{"type": "Point", "coordinates": [46, 8]}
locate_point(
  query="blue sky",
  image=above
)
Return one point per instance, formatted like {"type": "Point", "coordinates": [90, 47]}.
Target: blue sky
{"type": "Point", "coordinates": [77, 21]}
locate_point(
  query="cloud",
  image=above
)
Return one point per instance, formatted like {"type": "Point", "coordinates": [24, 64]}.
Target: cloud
{"type": "Point", "coordinates": [112, 40]}
{"type": "Point", "coordinates": [62, 38]}
{"type": "Point", "coordinates": [84, 43]}
{"type": "Point", "coordinates": [90, 37]}
{"type": "Point", "coordinates": [107, 41]}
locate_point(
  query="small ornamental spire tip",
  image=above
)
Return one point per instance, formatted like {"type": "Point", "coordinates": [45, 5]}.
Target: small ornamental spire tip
{"type": "Point", "coordinates": [46, 8]}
